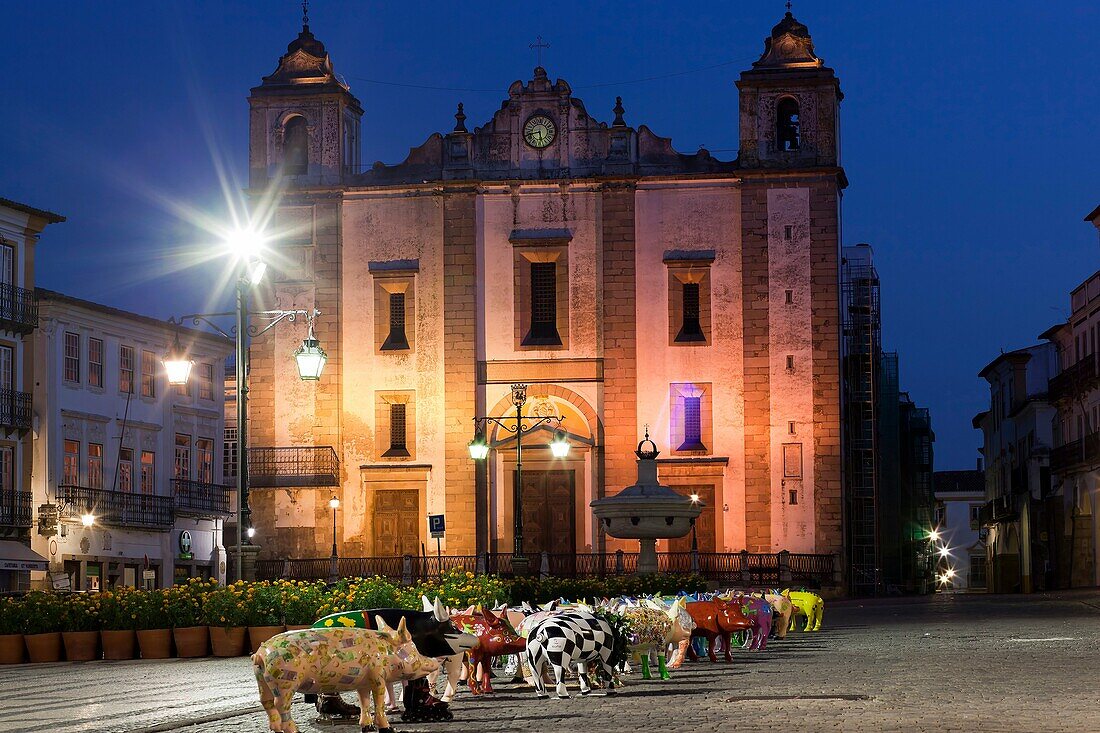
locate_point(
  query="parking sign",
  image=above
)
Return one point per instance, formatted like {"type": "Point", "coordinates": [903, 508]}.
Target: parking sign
{"type": "Point", "coordinates": [436, 525]}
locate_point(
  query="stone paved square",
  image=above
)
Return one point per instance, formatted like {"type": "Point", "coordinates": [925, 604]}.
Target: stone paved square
{"type": "Point", "coordinates": [945, 663]}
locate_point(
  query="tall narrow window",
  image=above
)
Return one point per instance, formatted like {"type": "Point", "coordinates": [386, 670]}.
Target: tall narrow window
{"type": "Point", "coordinates": [544, 305]}
{"type": "Point", "coordinates": [126, 469]}
{"type": "Point", "coordinates": [126, 369]}
{"type": "Point", "coordinates": [399, 445]}
{"type": "Point", "coordinates": [229, 453]}
{"type": "Point", "coordinates": [7, 468]}
{"type": "Point", "coordinates": [788, 297]}
{"type": "Point", "coordinates": [7, 265]}
{"type": "Point", "coordinates": [72, 357]}
{"type": "Point", "coordinates": [7, 367]}
{"type": "Point", "coordinates": [690, 329]}
{"type": "Point", "coordinates": [693, 424]}
{"type": "Point", "coordinates": [95, 362]}
{"type": "Point", "coordinates": [95, 465]}
{"type": "Point", "coordinates": [296, 147]}
{"type": "Point", "coordinates": [794, 497]}
{"type": "Point", "coordinates": [148, 472]}
{"type": "Point", "coordinates": [204, 460]}
{"type": "Point", "coordinates": [181, 468]}
{"type": "Point", "coordinates": [70, 463]}
{"type": "Point", "coordinates": [787, 127]}
{"type": "Point", "coordinates": [206, 381]}
{"type": "Point", "coordinates": [396, 339]}
{"type": "Point", "coordinates": [148, 374]}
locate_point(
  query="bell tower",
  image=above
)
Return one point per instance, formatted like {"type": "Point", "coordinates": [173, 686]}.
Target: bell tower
{"type": "Point", "coordinates": [303, 120]}
{"type": "Point", "coordinates": [789, 104]}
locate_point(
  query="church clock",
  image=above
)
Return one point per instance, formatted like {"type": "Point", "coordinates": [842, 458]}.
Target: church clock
{"type": "Point", "coordinates": [539, 131]}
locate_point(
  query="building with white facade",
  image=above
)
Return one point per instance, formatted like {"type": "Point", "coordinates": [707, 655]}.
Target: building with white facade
{"type": "Point", "coordinates": [960, 496]}
{"type": "Point", "coordinates": [20, 227]}
{"type": "Point", "coordinates": [131, 465]}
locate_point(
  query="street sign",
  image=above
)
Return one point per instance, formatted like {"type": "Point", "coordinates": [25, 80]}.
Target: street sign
{"type": "Point", "coordinates": [61, 581]}
{"type": "Point", "coordinates": [436, 525]}
{"type": "Point", "coordinates": [148, 574]}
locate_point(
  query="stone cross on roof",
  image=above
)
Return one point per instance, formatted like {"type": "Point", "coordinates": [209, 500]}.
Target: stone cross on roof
{"type": "Point", "coordinates": [538, 45]}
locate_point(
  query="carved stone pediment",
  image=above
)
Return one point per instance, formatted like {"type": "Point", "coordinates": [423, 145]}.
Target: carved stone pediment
{"type": "Point", "coordinates": [789, 46]}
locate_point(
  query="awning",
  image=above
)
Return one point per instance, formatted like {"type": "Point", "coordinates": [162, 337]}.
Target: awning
{"type": "Point", "coordinates": [17, 556]}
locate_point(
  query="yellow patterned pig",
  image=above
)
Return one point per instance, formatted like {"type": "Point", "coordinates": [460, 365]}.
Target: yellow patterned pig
{"type": "Point", "coordinates": [334, 660]}
{"type": "Point", "coordinates": [807, 604]}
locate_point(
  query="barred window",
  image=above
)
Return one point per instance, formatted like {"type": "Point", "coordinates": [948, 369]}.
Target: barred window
{"type": "Point", "coordinates": [95, 362]}
{"type": "Point", "coordinates": [72, 357]}
{"type": "Point", "coordinates": [126, 369]}
{"type": "Point", "coordinates": [693, 424]}
{"type": "Point", "coordinates": [544, 305]}
{"type": "Point", "coordinates": [398, 432]}
{"type": "Point", "coordinates": [690, 329]}
{"type": "Point", "coordinates": [397, 338]}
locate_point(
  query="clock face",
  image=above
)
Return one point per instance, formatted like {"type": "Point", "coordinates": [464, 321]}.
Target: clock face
{"type": "Point", "coordinates": [539, 131]}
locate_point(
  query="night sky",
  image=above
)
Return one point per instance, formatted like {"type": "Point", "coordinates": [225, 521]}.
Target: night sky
{"type": "Point", "coordinates": [969, 137]}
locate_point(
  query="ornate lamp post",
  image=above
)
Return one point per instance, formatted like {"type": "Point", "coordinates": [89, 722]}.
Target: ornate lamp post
{"type": "Point", "coordinates": [247, 246]}
{"type": "Point", "coordinates": [334, 561]}
{"type": "Point", "coordinates": [694, 538]}
{"type": "Point", "coordinates": [518, 424]}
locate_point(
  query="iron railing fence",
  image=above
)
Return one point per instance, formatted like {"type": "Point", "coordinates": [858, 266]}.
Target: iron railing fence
{"type": "Point", "coordinates": [15, 508]}
{"type": "Point", "coordinates": [200, 498]}
{"type": "Point", "coordinates": [734, 568]}
{"type": "Point", "coordinates": [15, 409]}
{"type": "Point", "coordinates": [293, 466]}
{"type": "Point", "coordinates": [118, 508]}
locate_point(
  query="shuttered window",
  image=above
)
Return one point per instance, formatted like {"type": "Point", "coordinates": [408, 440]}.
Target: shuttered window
{"type": "Point", "coordinates": [544, 305]}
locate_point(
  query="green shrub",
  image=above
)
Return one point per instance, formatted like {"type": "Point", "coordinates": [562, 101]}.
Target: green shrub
{"type": "Point", "coordinates": [225, 607]}
{"type": "Point", "coordinates": [301, 602]}
{"type": "Point", "coordinates": [43, 612]}
{"type": "Point", "coordinates": [13, 619]}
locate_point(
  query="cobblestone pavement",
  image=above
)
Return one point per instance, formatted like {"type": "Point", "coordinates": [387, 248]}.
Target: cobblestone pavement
{"type": "Point", "coordinates": [948, 663]}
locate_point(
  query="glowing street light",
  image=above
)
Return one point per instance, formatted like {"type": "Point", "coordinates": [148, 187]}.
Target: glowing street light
{"type": "Point", "coordinates": [310, 357]}
{"type": "Point", "coordinates": [559, 446]}
{"type": "Point", "coordinates": [177, 364]}
{"type": "Point", "coordinates": [87, 519]}
{"type": "Point", "coordinates": [251, 532]}
{"type": "Point", "coordinates": [246, 243]}
{"type": "Point", "coordinates": [479, 447]}
{"type": "Point", "coordinates": [944, 551]}
{"type": "Point", "coordinates": [934, 535]}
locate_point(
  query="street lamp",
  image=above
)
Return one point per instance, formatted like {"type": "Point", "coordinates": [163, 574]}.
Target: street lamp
{"type": "Point", "coordinates": [247, 246]}
{"type": "Point", "coordinates": [87, 519]}
{"type": "Point", "coordinates": [518, 424]}
{"type": "Point", "coordinates": [334, 562]}
{"type": "Point", "coordinates": [694, 539]}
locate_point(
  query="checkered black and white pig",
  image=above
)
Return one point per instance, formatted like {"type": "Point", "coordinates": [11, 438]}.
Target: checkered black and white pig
{"type": "Point", "coordinates": [569, 638]}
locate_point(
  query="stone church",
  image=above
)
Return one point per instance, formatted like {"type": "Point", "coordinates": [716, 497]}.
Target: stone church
{"type": "Point", "coordinates": [626, 283]}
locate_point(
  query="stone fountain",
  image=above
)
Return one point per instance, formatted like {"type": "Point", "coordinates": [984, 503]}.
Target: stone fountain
{"type": "Point", "coordinates": [646, 511]}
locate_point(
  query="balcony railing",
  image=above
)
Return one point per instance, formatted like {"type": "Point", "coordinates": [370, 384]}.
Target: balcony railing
{"type": "Point", "coordinates": [117, 508]}
{"type": "Point", "coordinates": [1070, 382]}
{"type": "Point", "coordinates": [18, 309]}
{"type": "Point", "coordinates": [15, 508]}
{"type": "Point", "coordinates": [15, 409]}
{"type": "Point", "coordinates": [201, 499]}
{"type": "Point", "coordinates": [731, 568]}
{"type": "Point", "coordinates": [1077, 454]}
{"type": "Point", "coordinates": [293, 466]}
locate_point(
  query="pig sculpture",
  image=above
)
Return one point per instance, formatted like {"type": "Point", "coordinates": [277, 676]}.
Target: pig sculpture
{"type": "Point", "coordinates": [715, 620]}
{"type": "Point", "coordinates": [759, 612]}
{"type": "Point", "coordinates": [782, 610]}
{"type": "Point", "coordinates": [655, 628]}
{"type": "Point", "coordinates": [336, 659]}
{"type": "Point", "coordinates": [807, 604]}
{"type": "Point", "coordinates": [573, 637]}
{"type": "Point", "coordinates": [495, 637]}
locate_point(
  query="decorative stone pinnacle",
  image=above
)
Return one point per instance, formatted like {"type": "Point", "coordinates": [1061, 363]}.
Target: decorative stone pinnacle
{"type": "Point", "coordinates": [644, 453]}
{"type": "Point", "coordinates": [619, 122]}
{"type": "Point", "coordinates": [460, 119]}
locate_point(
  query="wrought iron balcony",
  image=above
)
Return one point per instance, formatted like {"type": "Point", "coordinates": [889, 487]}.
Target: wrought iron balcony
{"type": "Point", "coordinates": [1076, 454]}
{"type": "Point", "coordinates": [293, 466]}
{"type": "Point", "coordinates": [1070, 382]}
{"type": "Point", "coordinates": [15, 409]}
{"type": "Point", "coordinates": [117, 508]}
{"type": "Point", "coordinates": [15, 508]}
{"type": "Point", "coordinates": [201, 499]}
{"type": "Point", "coordinates": [18, 309]}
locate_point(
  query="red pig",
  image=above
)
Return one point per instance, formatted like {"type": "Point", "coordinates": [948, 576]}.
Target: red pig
{"type": "Point", "coordinates": [716, 620]}
{"type": "Point", "coordinates": [495, 637]}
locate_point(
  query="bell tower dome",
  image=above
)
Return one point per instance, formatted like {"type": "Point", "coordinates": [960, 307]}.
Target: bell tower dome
{"type": "Point", "coordinates": [303, 120]}
{"type": "Point", "coordinates": [789, 104]}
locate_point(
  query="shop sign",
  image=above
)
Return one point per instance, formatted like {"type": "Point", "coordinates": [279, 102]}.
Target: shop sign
{"type": "Point", "coordinates": [185, 545]}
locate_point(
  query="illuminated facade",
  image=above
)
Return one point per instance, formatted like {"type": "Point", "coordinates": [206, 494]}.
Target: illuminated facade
{"type": "Point", "coordinates": [626, 283]}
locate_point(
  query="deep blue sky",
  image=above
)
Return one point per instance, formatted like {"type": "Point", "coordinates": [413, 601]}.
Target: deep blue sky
{"type": "Point", "coordinates": [969, 136]}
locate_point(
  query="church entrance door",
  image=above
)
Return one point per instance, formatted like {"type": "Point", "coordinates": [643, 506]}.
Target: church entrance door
{"type": "Point", "coordinates": [397, 522]}
{"type": "Point", "coordinates": [704, 523]}
{"type": "Point", "coordinates": [548, 514]}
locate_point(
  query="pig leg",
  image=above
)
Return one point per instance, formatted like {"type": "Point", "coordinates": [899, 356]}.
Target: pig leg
{"type": "Point", "coordinates": [487, 676]}
{"type": "Point", "coordinates": [536, 662]}
{"type": "Point", "coordinates": [283, 701]}
{"type": "Point", "coordinates": [453, 666]}
{"type": "Point", "coordinates": [267, 699]}
{"type": "Point", "coordinates": [818, 616]}
{"type": "Point", "coordinates": [727, 643]}
{"type": "Point", "coordinates": [643, 659]}
{"type": "Point", "coordinates": [365, 720]}
{"type": "Point", "coordinates": [582, 677]}
{"type": "Point", "coordinates": [681, 654]}
{"type": "Point", "coordinates": [559, 677]}
{"type": "Point", "coordinates": [472, 679]}
{"type": "Point", "coordinates": [378, 690]}
{"type": "Point", "coordinates": [662, 667]}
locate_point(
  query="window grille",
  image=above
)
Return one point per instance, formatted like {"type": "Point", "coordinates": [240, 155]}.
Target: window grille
{"type": "Point", "coordinates": [397, 338]}
{"type": "Point", "coordinates": [690, 329]}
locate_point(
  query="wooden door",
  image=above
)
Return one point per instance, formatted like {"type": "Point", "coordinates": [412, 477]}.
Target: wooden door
{"type": "Point", "coordinates": [548, 513]}
{"type": "Point", "coordinates": [704, 524]}
{"type": "Point", "coordinates": [397, 522]}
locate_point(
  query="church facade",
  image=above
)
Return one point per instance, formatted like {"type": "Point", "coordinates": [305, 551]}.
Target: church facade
{"type": "Point", "coordinates": [626, 284]}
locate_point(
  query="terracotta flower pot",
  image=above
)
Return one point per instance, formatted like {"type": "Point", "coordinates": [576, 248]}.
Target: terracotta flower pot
{"type": "Point", "coordinates": [81, 646]}
{"type": "Point", "coordinates": [11, 649]}
{"type": "Point", "coordinates": [259, 634]}
{"type": "Point", "coordinates": [297, 627]}
{"type": "Point", "coordinates": [155, 643]}
{"type": "Point", "coordinates": [44, 647]}
{"type": "Point", "coordinates": [117, 644]}
{"type": "Point", "coordinates": [192, 641]}
{"type": "Point", "coordinates": [227, 641]}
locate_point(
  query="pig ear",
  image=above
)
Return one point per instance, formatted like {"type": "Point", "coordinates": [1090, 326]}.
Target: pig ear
{"type": "Point", "coordinates": [425, 604]}
{"type": "Point", "coordinates": [439, 610]}
{"type": "Point", "coordinates": [401, 631]}
{"type": "Point", "coordinates": [380, 625]}
{"type": "Point", "coordinates": [492, 619]}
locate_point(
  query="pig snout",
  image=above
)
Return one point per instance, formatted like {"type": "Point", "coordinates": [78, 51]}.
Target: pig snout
{"type": "Point", "coordinates": [461, 642]}
{"type": "Point", "coordinates": [413, 664]}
